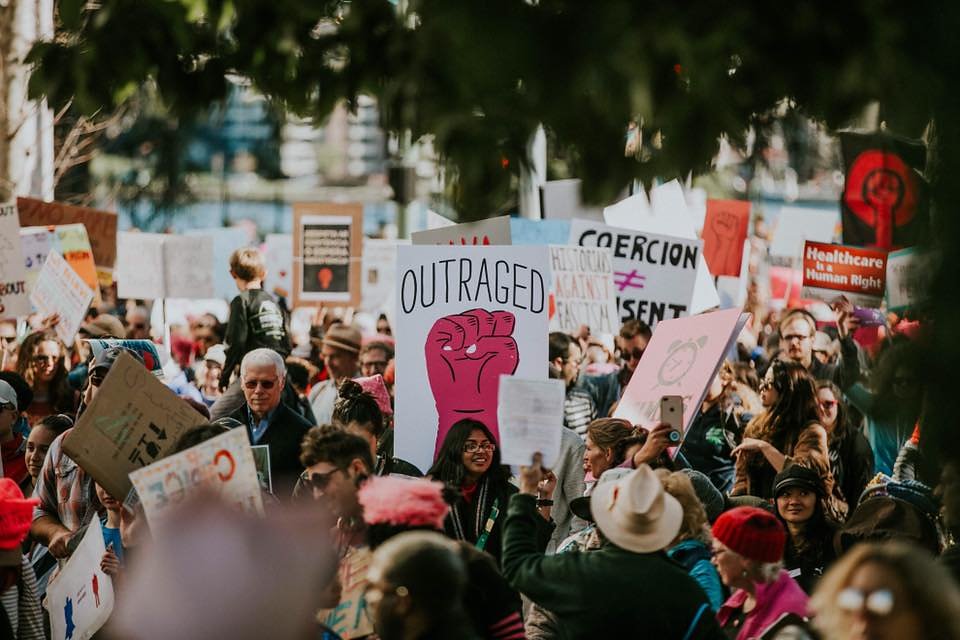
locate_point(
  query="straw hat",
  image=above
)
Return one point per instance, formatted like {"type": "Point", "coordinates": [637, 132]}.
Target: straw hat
{"type": "Point", "coordinates": [635, 513]}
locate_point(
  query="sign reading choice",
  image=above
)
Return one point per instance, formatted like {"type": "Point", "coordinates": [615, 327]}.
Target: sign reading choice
{"type": "Point", "coordinates": [858, 273]}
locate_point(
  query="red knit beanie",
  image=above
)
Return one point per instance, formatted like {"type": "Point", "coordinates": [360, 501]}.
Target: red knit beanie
{"type": "Point", "coordinates": [753, 533]}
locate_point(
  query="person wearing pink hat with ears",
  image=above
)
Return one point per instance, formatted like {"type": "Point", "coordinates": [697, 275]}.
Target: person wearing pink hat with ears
{"type": "Point", "coordinates": [20, 615]}
{"type": "Point", "coordinates": [748, 546]}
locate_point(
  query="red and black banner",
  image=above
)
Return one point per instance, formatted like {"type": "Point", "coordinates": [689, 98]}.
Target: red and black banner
{"type": "Point", "coordinates": [884, 198]}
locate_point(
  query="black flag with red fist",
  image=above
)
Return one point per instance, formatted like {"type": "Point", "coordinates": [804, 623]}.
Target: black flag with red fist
{"type": "Point", "coordinates": [884, 197]}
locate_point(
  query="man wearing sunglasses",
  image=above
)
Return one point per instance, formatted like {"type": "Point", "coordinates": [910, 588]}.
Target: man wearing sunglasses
{"type": "Point", "coordinates": [634, 336]}
{"type": "Point", "coordinates": [268, 420]}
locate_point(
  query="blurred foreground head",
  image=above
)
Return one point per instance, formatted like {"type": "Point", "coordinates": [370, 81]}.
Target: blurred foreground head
{"type": "Point", "coordinates": [211, 572]}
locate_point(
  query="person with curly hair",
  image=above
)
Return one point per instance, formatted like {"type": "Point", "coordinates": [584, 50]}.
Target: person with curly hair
{"type": "Point", "coordinates": [42, 362]}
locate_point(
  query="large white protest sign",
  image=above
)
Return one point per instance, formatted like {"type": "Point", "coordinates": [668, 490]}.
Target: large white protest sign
{"type": "Point", "coordinates": [583, 290]}
{"type": "Point", "coordinates": [796, 226]}
{"type": "Point", "coordinates": [223, 465]}
{"type": "Point", "coordinates": [155, 265]}
{"type": "Point", "coordinates": [225, 240]}
{"type": "Point", "coordinates": [80, 599]}
{"type": "Point", "coordinates": [465, 315]}
{"type": "Point", "coordinates": [278, 257]}
{"type": "Point", "coordinates": [530, 417]}
{"type": "Point", "coordinates": [561, 200]}
{"type": "Point", "coordinates": [492, 231]}
{"type": "Point", "coordinates": [906, 269]}
{"type": "Point", "coordinates": [379, 275]}
{"type": "Point", "coordinates": [654, 276]}
{"type": "Point", "coordinates": [60, 290]}
{"type": "Point", "coordinates": [14, 300]}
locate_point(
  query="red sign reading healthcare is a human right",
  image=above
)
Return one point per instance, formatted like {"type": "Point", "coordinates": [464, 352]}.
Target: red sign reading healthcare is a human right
{"type": "Point", "coordinates": [830, 269]}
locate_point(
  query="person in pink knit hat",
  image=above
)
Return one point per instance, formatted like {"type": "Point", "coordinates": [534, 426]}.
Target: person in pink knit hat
{"type": "Point", "coordinates": [20, 615]}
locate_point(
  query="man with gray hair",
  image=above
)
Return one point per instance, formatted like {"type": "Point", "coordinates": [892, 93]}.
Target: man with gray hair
{"type": "Point", "coordinates": [268, 420]}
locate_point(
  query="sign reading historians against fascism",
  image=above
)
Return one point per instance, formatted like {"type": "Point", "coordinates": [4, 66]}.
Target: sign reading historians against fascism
{"type": "Point", "coordinates": [327, 248]}
{"type": "Point", "coordinates": [583, 292]}
{"type": "Point", "coordinates": [859, 274]}
{"type": "Point", "coordinates": [653, 275]}
{"type": "Point", "coordinates": [465, 316]}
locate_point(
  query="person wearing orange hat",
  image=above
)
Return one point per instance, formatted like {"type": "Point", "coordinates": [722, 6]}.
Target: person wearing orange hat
{"type": "Point", "coordinates": [20, 615]}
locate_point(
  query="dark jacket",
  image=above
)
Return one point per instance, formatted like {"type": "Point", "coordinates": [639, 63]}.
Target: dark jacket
{"type": "Point", "coordinates": [255, 322]}
{"type": "Point", "coordinates": [468, 518]}
{"type": "Point", "coordinates": [851, 461]}
{"type": "Point", "coordinates": [283, 436]}
{"type": "Point", "coordinates": [607, 593]}
{"type": "Point", "coordinates": [708, 443]}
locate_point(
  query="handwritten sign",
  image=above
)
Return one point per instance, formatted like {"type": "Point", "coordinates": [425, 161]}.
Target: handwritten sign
{"type": "Point", "coordinates": [859, 274]}
{"type": "Point", "coordinates": [906, 269]}
{"type": "Point", "coordinates": [223, 465]}
{"type": "Point", "coordinates": [350, 618]}
{"type": "Point", "coordinates": [327, 248]}
{"type": "Point", "coordinates": [724, 230]}
{"type": "Point", "coordinates": [154, 265]}
{"type": "Point", "coordinates": [14, 301]}
{"type": "Point", "coordinates": [133, 421]}
{"type": "Point", "coordinates": [583, 290]}
{"type": "Point", "coordinates": [682, 358]}
{"type": "Point", "coordinates": [530, 417]}
{"type": "Point", "coordinates": [80, 599]}
{"type": "Point", "coordinates": [60, 290]}
{"type": "Point", "coordinates": [70, 241]}
{"type": "Point", "coordinates": [493, 231]}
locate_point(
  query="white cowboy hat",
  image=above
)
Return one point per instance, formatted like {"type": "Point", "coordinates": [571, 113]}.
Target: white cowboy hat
{"type": "Point", "coordinates": [635, 513]}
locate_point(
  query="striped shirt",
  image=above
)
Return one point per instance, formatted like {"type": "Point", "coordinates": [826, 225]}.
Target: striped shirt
{"type": "Point", "coordinates": [578, 410]}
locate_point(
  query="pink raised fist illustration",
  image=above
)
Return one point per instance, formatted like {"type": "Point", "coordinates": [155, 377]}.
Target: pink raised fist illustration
{"type": "Point", "coordinates": [466, 355]}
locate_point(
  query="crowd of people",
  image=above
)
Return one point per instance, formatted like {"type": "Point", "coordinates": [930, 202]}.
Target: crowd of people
{"type": "Point", "coordinates": [801, 502]}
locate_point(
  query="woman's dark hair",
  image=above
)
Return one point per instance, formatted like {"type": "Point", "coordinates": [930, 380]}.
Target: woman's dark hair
{"type": "Point", "coordinates": [20, 387]}
{"type": "Point", "coordinates": [57, 423]}
{"type": "Point", "coordinates": [448, 466]}
{"type": "Point", "coordinates": [60, 396]}
{"type": "Point", "coordinates": [796, 407]}
{"type": "Point", "coordinates": [330, 443]}
{"type": "Point", "coordinates": [199, 433]}
{"type": "Point", "coordinates": [616, 434]}
{"type": "Point", "coordinates": [817, 532]}
{"type": "Point", "coordinates": [842, 429]}
{"type": "Point", "coordinates": [356, 405]}
{"type": "Point", "coordinates": [900, 354]}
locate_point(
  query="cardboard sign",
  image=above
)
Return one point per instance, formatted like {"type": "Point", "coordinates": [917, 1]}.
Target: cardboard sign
{"type": "Point", "coordinates": [14, 300]}
{"type": "Point", "coordinates": [133, 421]}
{"type": "Point", "coordinates": [151, 266]}
{"type": "Point", "coordinates": [905, 279]}
{"type": "Point", "coordinates": [101, 227]}
{"type": "Point", "coordinates": [583, 291]}
{"type": "Point", "coordinates": [379, 274]}
{"type": "Point", "coordinates": [60, 290]}
{"type": "Point", "coordinates": [681, 359]}
{"type": "Point", "coordinates": [80, 598]}
{"type": "Point", "coordinates": [796, 226]}
{"type": "Point", "coordinates": [145, 348]}
{"type": "Point", "coordinates": [278, 256]}
{"type": "Point", "coordinates": [350, 618]}
{"type": "Point", "coordinates": [493, 231]}
{"type": "Point", "coordinates": [724, 230]}
{"type": "Point", "coordinates": [465, 315]}
{"type": "Point", "coordinates": [222, 465]}
{"type": "Point", "coordinates": [327, 248]}
{"type": "Point", "coordinates": [225, 240]}
{"type": "Point", "coordinates": [530, 417]}
{"type": "Point", "coordinates": [859, 274]}
{"type": "Point", "coordinates": [654, 276]}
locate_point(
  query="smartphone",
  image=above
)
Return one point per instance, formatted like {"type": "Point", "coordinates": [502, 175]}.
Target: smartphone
{"type": "Point", "coordinates": [869, 317]}
{"type": "Point", "coordinates": [671, 413]}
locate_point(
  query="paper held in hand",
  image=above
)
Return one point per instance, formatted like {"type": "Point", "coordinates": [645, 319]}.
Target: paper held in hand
{"type": "Point", "coordinates": [530, 415]}
{"type": "Point", "coordinates": [60, 290]}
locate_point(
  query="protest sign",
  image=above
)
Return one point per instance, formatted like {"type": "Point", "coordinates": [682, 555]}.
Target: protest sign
{"type": "Point", "coordinates": [796, 225]}
{"type": "Point", "coordinates": [530, 417]}
{"type": "Point", "coordinates": [152, 266]}
{"type": "Point", "coordinates": [654, 276]}
{"type": "Point", "coordinates": [905, 278]}
{"type": "Point", "coordinates": [350, 618]}
{"type": "Point", "coordinates": [223, 466]}
{"type": "Point", "coordinates": [14, 300]}
{"type": "Point", "coordinates": [628, 213]}
{"type": "Point", "coordinates": [70, 241]}
{"type": "Point", "coordinates": [80, 598]}
{"type": "Point", "coordinates": [526, 231]}
{"type": "Point", "coordinates": [134, 420]}
{"type": "Point", "coordinates": [278, 257]}
{"type": "Point", "coordinates": [145, 348]}
{"type": "Point", "coordinates": [857, 273]}
{"type": "Point", "coordinates": [560, 200]}
{"type": "Point", "coordinates": [60, 290]}
{"type": "Point", "coordinates": [379, 275]}
{"type": "Point", "coordinates": [225, 240]}
{"type": "Point", "coordinates": [101, 228]}
{"type": "Point", "coordinates": [492, 231]}
{"type": "Point", "coordinates": [327, 248]}
{"type": "Point", "coordinates": [681, 359]}
{"type": "Point", "coordinates": [261, 458]}
{"type": "Point", "coordinates": [465, 315]}
{"type": "Point", "coordinates": [724, 230]}
{"type": "Point", "coordinates": [583, 291]}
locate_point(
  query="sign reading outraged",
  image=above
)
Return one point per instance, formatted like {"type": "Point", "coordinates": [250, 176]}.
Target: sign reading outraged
{"type": "Point", "coordinates": [465, 316]}
{"type": "Point", "coordinates": [653, 275]}
{"type": "Point", "coordinates": [327, 245]}
{"type": "Point", "coordinates": [583, 290]}
{"type": "Point", "coordinates": [858, 273]}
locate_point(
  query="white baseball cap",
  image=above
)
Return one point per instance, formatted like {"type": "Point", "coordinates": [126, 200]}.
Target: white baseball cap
{"type": "Point", "coordinates": [7, 394]}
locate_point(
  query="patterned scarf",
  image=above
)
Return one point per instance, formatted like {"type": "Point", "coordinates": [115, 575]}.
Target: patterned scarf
{"type": "Point", "coordinates": [483, 501]}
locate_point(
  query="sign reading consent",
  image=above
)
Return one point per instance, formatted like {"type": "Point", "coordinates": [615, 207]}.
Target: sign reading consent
{"type": "Point", "coordinates": [860, 274]}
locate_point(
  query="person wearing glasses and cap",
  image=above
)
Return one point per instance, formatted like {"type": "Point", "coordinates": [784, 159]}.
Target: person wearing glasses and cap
{"type": "Point", "coordinates": [268, 420]}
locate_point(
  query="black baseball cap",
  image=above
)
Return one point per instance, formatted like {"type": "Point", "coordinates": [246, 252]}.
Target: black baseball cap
{"type": "Point", "coordinates": [797, 475]}
{"type": "Point", "coordinates": [105, 359]}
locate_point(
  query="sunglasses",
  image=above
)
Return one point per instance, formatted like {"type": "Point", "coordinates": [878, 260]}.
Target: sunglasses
{"type": "Point", "coordinates": [318, 481]}
{"type": "Point", "coordinates": [878, 603]}
{"type": "Point", "coordinates": [828, 404]}
{"type": "Point", "coordinates": [473, 447]}
{"type": "Point", "coordinates": [97, 379]}
{"type": "Point", "coordinates": [636, 354]}
{"type": "Point", "coordinates": [41, 358]}
{"type": "Point", "coordinates": [266, 384]}
{"type": "Point", "coordinates": [795, 336]}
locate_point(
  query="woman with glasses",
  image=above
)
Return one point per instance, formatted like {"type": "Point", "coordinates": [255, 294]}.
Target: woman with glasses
{"type": "Point", "coordinates": [788, 431]}
{"type": "Point", "coordinates": [42, 363]}
{"type": "Point", "coordinates": [888, 591]}
{"type": "Point", "coordinates": [851, 459]}
{"type": "Point", "coordinates": [469, 462]}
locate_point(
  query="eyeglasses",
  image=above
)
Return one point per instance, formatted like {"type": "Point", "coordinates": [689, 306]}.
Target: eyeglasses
{"type": "Point", "coordinates": [376, 364]}
{"type": "Point", "coordinates": [636, 354]}
{"type": "Point", "coordinates": [795, 336]}
{"type": "Point", "coordinates": [318, 481]}
{"type": "Point", "coordinates": [878, 603]}
{"type": "Point", "coordinates": [96, 379]}
{"type": "Point", "coordinates": [5, 406]}
{"type": "Point", "coordinates": [473, 447]}
{"type": "Point", "coordinates": [266, 384]}
{"type": "Point", "coordinates": [828, 404]}
{"type": "Point", "coordinates": [8, 339]}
